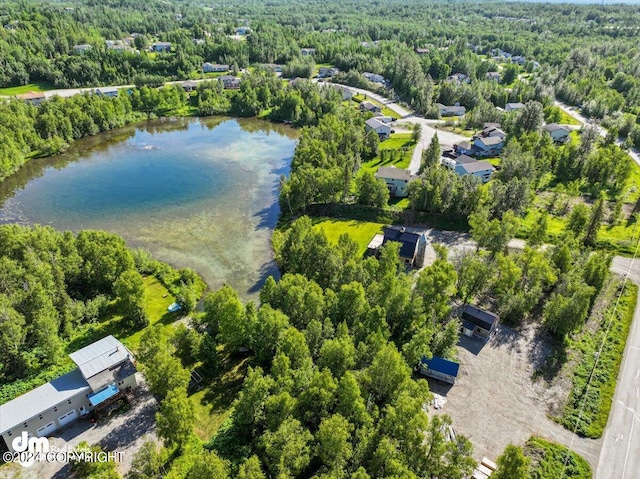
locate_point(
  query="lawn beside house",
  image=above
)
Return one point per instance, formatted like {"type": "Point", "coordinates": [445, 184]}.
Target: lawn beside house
{"type": "Point", "coordinates": [396, 151]}
{"type": "Point", "coordinates": [360, 231]}
{"type": "Point", "coordinates": [37, 86]}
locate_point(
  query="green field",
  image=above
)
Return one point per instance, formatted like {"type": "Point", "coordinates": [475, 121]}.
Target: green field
{"type": "Point", "coordinates": [398, 142]}
{"type": "Point", "coordinates": [19, 90]}
{"type": "Point", "coordinates": [362, 232]}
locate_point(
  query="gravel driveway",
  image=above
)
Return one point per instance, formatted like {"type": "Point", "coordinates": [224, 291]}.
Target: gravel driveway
{"type": "Point", "coordinates": [123, 432]}
{"type": "Point", "coordinates": [494, 401]}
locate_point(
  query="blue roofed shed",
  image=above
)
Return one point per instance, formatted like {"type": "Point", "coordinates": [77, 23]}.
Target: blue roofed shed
{"type": "Point", "coordinates": [440, 368]}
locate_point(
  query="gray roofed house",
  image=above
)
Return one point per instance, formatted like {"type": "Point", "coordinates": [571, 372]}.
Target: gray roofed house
{"type": "Point", "coordinates": [558, 132]}
{"type": "Point", "coordinates": [454, 110]}
{"type": "Point", "coordinates": [479, 169]}
{"type": "Point", "coordinates": [382, 129]}
{"type": "Point", "coordinates": [99, 356]}
{"type": "Point", "coordinates": [104, 365]}
{"type": "Point", "coordinates": [31, 404]}
{"type": "Point", "coordinates": [493, 76]}
{"type": "Point", "coordinates": [397, 180]}
{"type": "Point", "coordinates": [513, 106]}
{"type": "Point", "coordinates": [368, 106]}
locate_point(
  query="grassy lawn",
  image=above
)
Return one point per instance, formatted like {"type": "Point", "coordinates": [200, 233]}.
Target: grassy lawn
{"type": "Point", "coordinates": [548, 458]}
{"type": "Point", "coordinates": [360, 231]}
{"type": "Point", "coordinates": [402, 146]}
{"type": "Point", "coordinates": [213, 402]}
{"type": "Point", "coordinates": [595, 402]}
{"type": "Point", "coordinates": [19, 90]}
{"type": "Point", "coordinates": [156, 301]}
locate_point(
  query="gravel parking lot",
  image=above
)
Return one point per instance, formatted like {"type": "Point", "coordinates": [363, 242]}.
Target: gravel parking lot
{"type": "Point", "coordinates": [124, 432]}
{"type": "Point", "coordinates": [494, 401]}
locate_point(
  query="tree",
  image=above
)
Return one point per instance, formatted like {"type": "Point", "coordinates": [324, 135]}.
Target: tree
{"type": "Point", "coordinates": [287, 450]}
{"type": "Point", "coordinates": [148, 461]}
{"type": "Point", "coordinates": [250, 403]}
{"type": "Point", "coordinates": [473, 276]}
{"type": "Point", "coordinates": [495, 234]}
{"type": "Point", "coordinates": [538, 231]}
{"type": "Point", "coordinates": [578, 218]}
{"type": "Point", "coordinates": [431, 156]}
{"type": "Point", "coordinates": [164, 373]}
{"type": "Point", "coordinates": [209, 465]}
{"type": "Point", "coordinates": [509, 74]}
{"type": "Point", "coordinates": [371, 191]}
{"type": "Point", "coordinates": [175, 418]}
{"type": "Point", "coordinates": [567, 309]}
{"type": "Point", "coordinates": [416, 132]}
{"type": "Point", "coordinates": [530, 117]}
{"type": "Point", "coordinates": [387, 373]}
{"type": "Point", "coordinates": [251, 469]}
{"type": "Point", "coordinates": [333, 436]}
{"type": "Point", "coordinates": [595, 221]}
{"type": "Point", "coordinates": [512, 463]}
{"type": "Point", "coordinates": [129, 289]}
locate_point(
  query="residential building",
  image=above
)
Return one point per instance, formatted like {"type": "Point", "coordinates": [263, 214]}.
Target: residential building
{"type": "Point", "coordinates": [105, 373]}
{"type": "Point", "coordinates": [327, 72]}
{"type": "Point", "coordinates": [479, 169]}
{"type": "Point", "coordinates": [307, 51]}
{"type": "Point", "coordinates": [440, 368]}
{"type": "Point", "coordinates": [374, 77]}
{"type": "Point", "coordinates": [275, 68]}
{"type": "Point", "coordinates": [457, 79]}
{"type": "Point", "coordinates": [243, 31]}
{"type": "Point", "coordinates": [368, 106]}
{"type": "Point", "coordinates": [397, 180]}
{"type": "Point", "coordinates": [455, 110]}
{"type": "Point", "coordinates": [411, 244]}
{"type": "Point", "coordinates": [347, 94]}
{"type": "Point", "coordinates": [518, 60]}
{"type": "Point", "coordinates": [80, 49]}
{"type": "Point", "coordinates": [488, 146]}
{"type": "Point", "coordinates": [478, 322]}
{"type": "Point", "coordinates": [189, 85]}
{"type": "Point", "coordinates": [490, 130]}
{"type": "Point", "coordinates": [161, 47]}
{"type": "Point", "coordinates": [494, 76]}
{"type": "Point", "coordinates": [107, 91]}
{"type": "Point", "coordinates": [557, 132]}
{"type": "Point", "coordinates": [214, 68]}
{"type": "Point", "coordinates": [422, 51]}
{"type": "Point", "coordinates": [35, 98]}
{"type": "Point", "coordinates": [513, 106]}
{"type": "Point", "coordinates": [230, 82]}
{"type": "Point", "coordinates": [382, 129]}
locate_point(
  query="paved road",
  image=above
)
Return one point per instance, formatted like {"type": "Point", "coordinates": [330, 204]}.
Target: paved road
{"type": "Point", "coordinates": [620, 454]}
{"type": "Point", "coordinates": [633, 153]}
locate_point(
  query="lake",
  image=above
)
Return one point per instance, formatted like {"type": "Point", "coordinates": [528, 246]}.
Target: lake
{"type": "Point", "coordinates": [198, 193]}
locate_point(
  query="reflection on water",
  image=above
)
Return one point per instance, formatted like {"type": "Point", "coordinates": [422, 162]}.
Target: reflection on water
{"type": "Point", "coordinates": [198, 193]}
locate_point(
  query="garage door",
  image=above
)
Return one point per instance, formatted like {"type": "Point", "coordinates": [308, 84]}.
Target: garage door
{"type": "Point", "coordinates": [67, 418]}
{"type": "Point", "coordinates": [46, 430]}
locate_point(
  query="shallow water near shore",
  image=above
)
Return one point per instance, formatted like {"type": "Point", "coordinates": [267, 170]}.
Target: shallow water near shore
{"type": "Point", "coordinates": [199, 193]}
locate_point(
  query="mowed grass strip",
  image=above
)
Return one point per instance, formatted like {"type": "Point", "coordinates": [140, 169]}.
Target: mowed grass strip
{"type": "Point", "coordinates": [362, 232]}
{"type": "Point", "coordinates": [37, 86]}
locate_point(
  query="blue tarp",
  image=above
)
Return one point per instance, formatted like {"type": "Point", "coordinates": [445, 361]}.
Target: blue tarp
{"type": "Point", "coordinates": [441, 365]}
{"type": "Point", "coordinates": [101, 396]}
{"type": "Point", "coordinates": [173, 307]}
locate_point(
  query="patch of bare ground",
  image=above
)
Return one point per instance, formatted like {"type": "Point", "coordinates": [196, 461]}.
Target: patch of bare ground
{"type": "Point", "coordinates": [495, 400]}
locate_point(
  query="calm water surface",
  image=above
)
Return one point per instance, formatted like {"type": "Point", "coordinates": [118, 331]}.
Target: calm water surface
{"type": "Point", "coordinates": [200, 193]}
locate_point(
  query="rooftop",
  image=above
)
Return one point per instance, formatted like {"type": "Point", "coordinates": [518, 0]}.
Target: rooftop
{"type": "Point", "coordinates": [30, 404]}
{"type": "Point", "coordinates": [31, 95]}
{"type": "Point", "coordinates": [554, 127]}
{"type": "Point", "coordinates": [391, 172]}
{"type": "Point", "coordinates": [99, 356]}
{"type": "Point", "coordinates": [491, 140]}
{"type": "Point", "coordinates": [477, 166]}
{"type": "Point", "coordinates": [375, 124]}
{"type": "Point", "coordinates": [441, 365]}
{"type": "Point", "coordinates": [479, 317]}
{"type": "Point", "coordinates": [464, 159]}
{"type": "Point", "coordinates": [409, 241]}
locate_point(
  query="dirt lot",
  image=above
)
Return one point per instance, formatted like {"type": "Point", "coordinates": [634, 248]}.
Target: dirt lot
{"type": "Point", "coordinates": [124, 432]}
{"type": "Point", "coordinates": [494, 401]}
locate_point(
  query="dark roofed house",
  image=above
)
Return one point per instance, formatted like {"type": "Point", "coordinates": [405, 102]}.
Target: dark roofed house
{"type": "Point", "coordinates": [410, 243]}
{"type": "Point", "coordinates": [478, 322]}
{"type": "Point", "coordinates": [440, 368]}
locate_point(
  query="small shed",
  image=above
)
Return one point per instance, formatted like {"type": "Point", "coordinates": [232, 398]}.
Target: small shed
{"type": "Point", "coordinates": [440, 368]}
{"type": "Point", "coordinates": [478, 322]}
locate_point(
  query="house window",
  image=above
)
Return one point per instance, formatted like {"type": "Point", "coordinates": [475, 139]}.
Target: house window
{"type": "Point", "coordinates": [69, 401]}
{"type": "Point", "coordinates": [9, 434]}
{"type": "Point", "coordinates": [55, 409]}
{"type": "Point", "coordinates": [40, 416]}
{"type": "Point", "coordinates": [25, 424]}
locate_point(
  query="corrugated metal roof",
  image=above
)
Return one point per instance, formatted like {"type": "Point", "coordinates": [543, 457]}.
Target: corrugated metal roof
{"type": "Point", "coordinates": [98, 356]}
{"type": "Point", "coordinates": [25, 407]}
